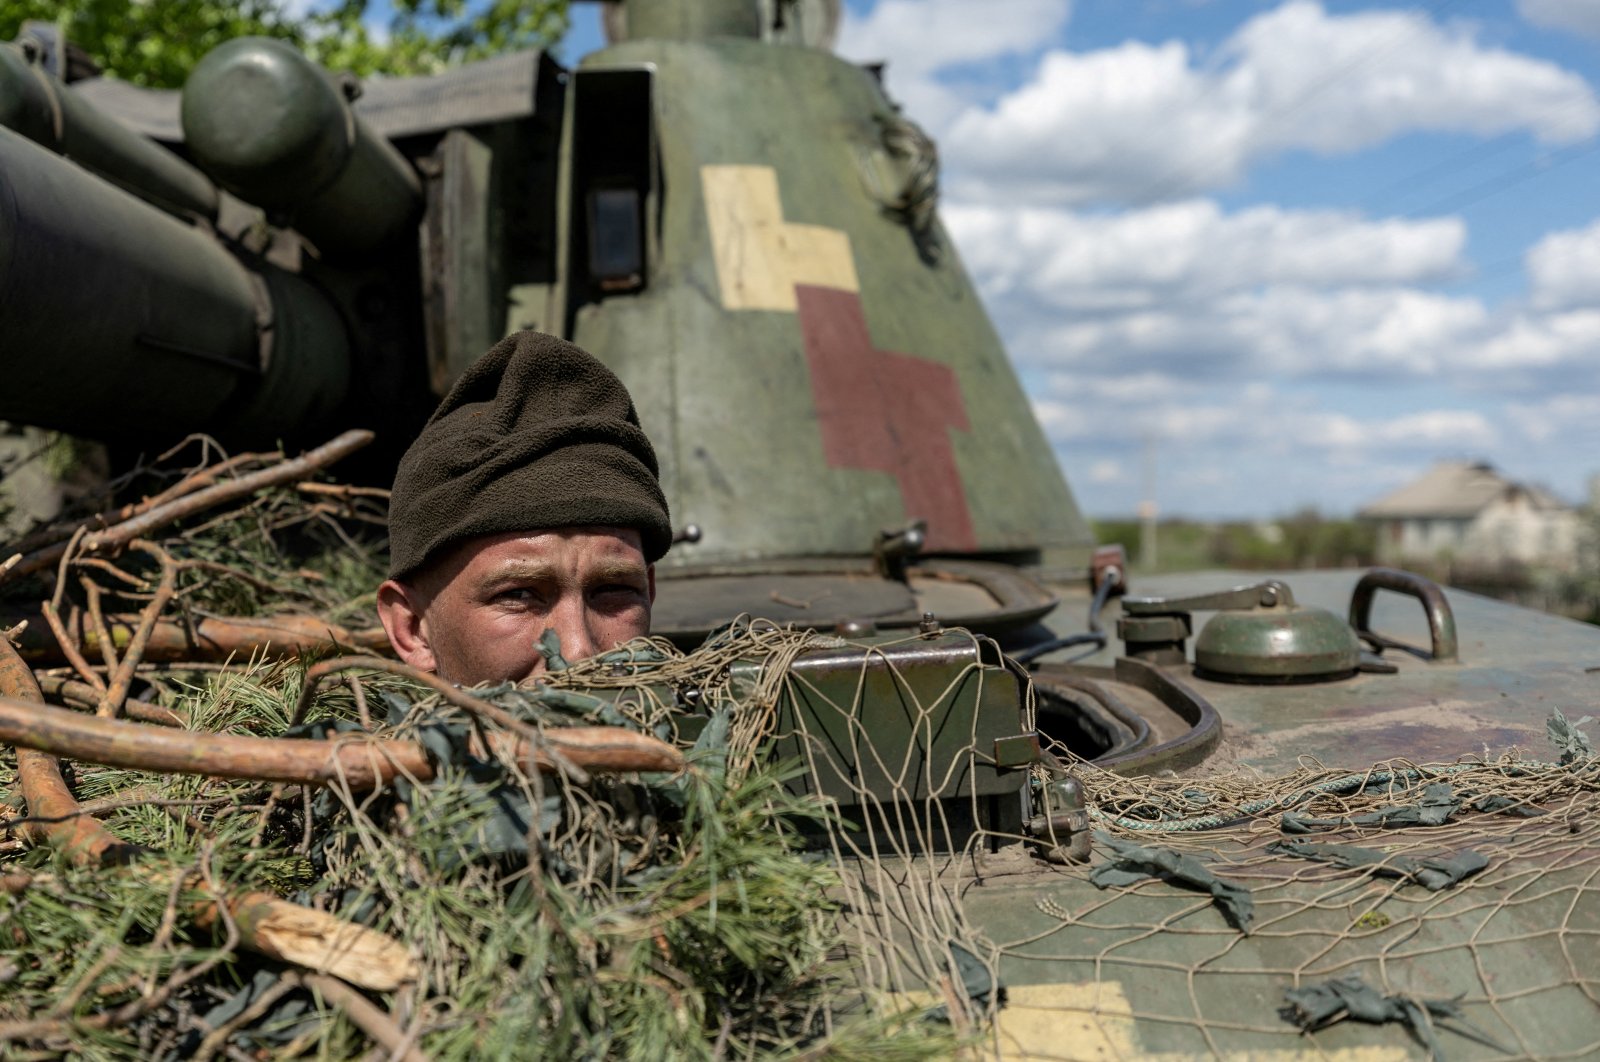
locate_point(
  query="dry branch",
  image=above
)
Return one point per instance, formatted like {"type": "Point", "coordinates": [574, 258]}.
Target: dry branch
{"type": "Point", "coordinates": [69, 647]}
{"type": "Point", "coordinates": [360, 763]}
{"type": "Point", "coordinates": [199, 478]}
{"type": "Point", "coordinates": [144, 523]}
{"type": "Point", "coordinates": [474, 706]}
{"type": "Point", "coordinates": [372, 1021]}
{"type": "Point", "coordinates": [267, 924]}
{"type": "Point", "coordinates": [111, 704]}
{"type": "Point", "coordinates": [86, 696]}
{"type": "Point", "coordinates": [206, 639]}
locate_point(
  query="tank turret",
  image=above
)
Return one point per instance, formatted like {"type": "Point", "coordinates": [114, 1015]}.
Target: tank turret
{"type": "Point", "coordinates": [740, 223]}
{"type": "Point", "coordinates": [799, 318]}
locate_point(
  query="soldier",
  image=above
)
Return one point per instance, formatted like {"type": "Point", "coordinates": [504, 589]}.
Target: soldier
{"type": "Point", "coordinates": [529, 501]}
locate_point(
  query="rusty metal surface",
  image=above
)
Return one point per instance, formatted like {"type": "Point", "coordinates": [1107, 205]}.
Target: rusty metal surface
{"type": "Point", "coordinates": [1515, 666]}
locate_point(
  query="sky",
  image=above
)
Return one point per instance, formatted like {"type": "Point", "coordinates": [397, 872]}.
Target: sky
{"type": "Point", "coordinates": [1269, 255]}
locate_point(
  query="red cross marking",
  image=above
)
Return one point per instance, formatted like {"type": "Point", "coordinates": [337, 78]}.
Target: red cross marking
{"type": "Point", "coordinates": [886, 412]}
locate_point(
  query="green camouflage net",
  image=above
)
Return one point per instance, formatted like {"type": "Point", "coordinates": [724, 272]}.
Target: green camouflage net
{"type": "Point", "coordinates": [1493, 909]}
{"type": "Point", "coordinates": [1455, 906]}
{"type": "Point", "coordinates": [819, 882]}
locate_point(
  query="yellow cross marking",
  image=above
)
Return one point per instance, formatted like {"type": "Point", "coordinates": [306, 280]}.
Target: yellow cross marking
{"type": "Point", "coordinates": [1092, 1021]}
{"type": "Point", "coordinates": [760, 257]}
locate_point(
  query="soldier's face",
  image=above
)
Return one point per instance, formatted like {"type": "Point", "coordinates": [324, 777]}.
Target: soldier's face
{"type": "Point", "coordinates": [476, 614]}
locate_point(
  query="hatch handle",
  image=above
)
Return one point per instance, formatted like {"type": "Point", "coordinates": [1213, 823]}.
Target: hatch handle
{"type": "Point", "coordinates": [1270, 594]}
{"type": "Point", "coordinates": [1441, 620]}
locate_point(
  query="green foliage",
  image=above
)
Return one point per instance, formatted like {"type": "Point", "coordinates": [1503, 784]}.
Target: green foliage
{"type": "Point", "coordinates": [157, 43]}
{"type": "Point", "coordinates": [424, 36]}
{"type": "Point", "coordinates": [669, 917]}
{"type": "Point", "coordinates": [152, 43]}
{"type": "Point", "coordinates": [1305, 539]}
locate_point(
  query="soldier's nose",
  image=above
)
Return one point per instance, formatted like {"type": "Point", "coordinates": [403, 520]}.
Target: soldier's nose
{"type": "Point", "coordinates": [577, 640]}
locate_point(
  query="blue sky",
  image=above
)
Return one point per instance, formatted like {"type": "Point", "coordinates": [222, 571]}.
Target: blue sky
{"type": "Point", "coordinates": [1302, 249]}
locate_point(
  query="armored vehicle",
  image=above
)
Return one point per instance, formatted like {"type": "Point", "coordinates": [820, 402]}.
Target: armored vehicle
{"type": "Point", "coordinates": [1106, 854]}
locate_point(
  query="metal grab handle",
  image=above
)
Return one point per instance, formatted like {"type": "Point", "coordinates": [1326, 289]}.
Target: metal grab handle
{"type": "Point", "coordinates": [1441, 621]}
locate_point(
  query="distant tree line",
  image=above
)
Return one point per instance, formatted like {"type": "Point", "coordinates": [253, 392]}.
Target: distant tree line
{"type": "Point", "coordinates": [1305, 539]}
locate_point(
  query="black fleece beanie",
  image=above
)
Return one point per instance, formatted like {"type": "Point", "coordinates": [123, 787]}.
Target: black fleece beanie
{"type": "Point", "coordinates": [535, 435]}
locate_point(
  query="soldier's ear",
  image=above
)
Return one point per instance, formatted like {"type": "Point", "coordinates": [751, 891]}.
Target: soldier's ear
{"type": "Point", "coordinates": [400, 610]}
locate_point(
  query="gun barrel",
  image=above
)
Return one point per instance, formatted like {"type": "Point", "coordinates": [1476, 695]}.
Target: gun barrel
{"type": "Point", "coordinates": [41, 108]}
{"type": "Point", "coordinates": [118, 317]}
{"type": "Point", "coordinates": [276, 130]}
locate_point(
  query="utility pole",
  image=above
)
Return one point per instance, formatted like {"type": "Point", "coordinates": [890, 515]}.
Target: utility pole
{"type": "Point", "coordinates": [1147, 507]}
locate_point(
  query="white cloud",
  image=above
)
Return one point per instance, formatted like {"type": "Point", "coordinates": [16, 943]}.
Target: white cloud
{"type": "Point", "coordinates": [1430, 430]}
{"type": "Point", "coordinates": [1105, 472]}
{"type": "Point", "coordinates": [1579, 16]}
{"type": "Point", "coordinates": [1282, 356]}
{"type": "Point", "coordinates": [1288, 332]}
{"type": "Point", "coordinates": [1151, 295]}
{"type": "Point", "coordinates": [920, 38]}
{"type": "Point", "coordinates": [1261, 422]}
{"type": "Point", "coordinates": [1564, 269]}
{"type": "Point", "coordinates": [1549, 418]}
{"type": "Point", "coordinates": [1562, 340]}
{"type": "Point", "coordinates": [1192, 250]}
{"type": "Point", "coordinates": [1141, 122]}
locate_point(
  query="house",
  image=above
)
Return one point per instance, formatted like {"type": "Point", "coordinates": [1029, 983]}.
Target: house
{"type": "Point", "coordinates": [1468, 513]}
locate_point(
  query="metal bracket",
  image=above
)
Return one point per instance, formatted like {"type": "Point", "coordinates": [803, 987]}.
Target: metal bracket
{"type": "Point", "coordinates": [897, 547]}
{"type": "Point", "coordinates": [1018, 750]}
{"type": "Point", "coordinates": [1059, 828]}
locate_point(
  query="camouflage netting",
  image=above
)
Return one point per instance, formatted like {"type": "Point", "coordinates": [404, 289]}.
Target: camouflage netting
{"type": "Point", "coordinates": [526, 906]}
{"type": "Point", "coordinates": [1448, 909]}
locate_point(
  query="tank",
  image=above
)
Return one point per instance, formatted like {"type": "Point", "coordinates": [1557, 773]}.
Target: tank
{"type": "Point", "coordinates": [745, 228]}
{"type": "Point", "coordinates": [765, 270]}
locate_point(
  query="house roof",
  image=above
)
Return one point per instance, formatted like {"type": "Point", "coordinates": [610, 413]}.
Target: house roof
{"type": "Point", "coordinates": [1456, 489]}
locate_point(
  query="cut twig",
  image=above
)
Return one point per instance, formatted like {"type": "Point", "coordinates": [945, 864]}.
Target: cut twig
{"type": "Point", "coordinates": [360, 695]}
{"type": "Point", "coordinates": [343, 490]}
{"type": "Point", "coordinates": [196, 479]}
{"type": "Point", "coordinates": [144, 523]}
{"type": "Point", "coordinates": [97, 620]}
{"type": "Point", "coordinates": [60, 587]}
{"type": "Point", "coordinates": [474, 706]}
{"type": "Point", "coordinates": [83, 695]}
{"type": "Point", "coordinates": [266, 924]}
{"type": "Point", "coordinates": [367, 1017]}
{"type": "Point", "coordinates": [69, 647]}
{"type": "Point", "coordinates": [358, 762]}
{"type": "Point", "coordinates": [207, 638]}
{"type": "Point", "coordinates": [122, 680]}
